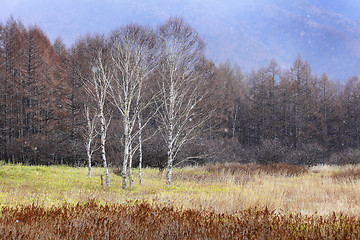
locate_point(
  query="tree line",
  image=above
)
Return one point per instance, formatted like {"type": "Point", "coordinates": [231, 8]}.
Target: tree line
{"type": "Point", "coordinates": [150, 96]}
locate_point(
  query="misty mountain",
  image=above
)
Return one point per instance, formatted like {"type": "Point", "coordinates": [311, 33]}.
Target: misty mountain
{"type": "Point", "coordinates": [325, 33]}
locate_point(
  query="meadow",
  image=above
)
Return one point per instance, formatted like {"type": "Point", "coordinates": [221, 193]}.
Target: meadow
{"type": "Point", "coordinates": [215, 201]}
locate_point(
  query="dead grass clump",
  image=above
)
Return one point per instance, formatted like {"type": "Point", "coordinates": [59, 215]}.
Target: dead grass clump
{"type": "Point", "coordinates": [251, 169]}
{"type": "Point", "coordinates": [347, 174]}
{"type": "Point", "coordinates": [192, 175]}
{"type": "Point", "coordinates": [140, 220]}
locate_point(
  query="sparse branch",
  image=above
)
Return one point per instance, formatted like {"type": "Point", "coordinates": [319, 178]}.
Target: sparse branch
{"type": "Point", "coordinates": [134, 56]}
{"type": "Point", "coordinates": [182, 52]}
{"type": "Point", "coordinates": [97, 85]}
{"type": "Point", "coordinates": [89, 135]}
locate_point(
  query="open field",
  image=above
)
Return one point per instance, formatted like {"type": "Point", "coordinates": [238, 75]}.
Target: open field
{"type": "Point", "coordinates": [213, 201]}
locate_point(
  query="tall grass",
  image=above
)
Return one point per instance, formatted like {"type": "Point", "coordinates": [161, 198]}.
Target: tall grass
{"type": "Point", "coordinates": [222, 187]}
{"type": "Point", "coordinates": [316, 201]}
{"type": "Point", "coordinates": [142, 220]}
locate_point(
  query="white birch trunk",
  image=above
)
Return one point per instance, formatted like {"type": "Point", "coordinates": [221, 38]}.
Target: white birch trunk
{"type": "Point", "coordinates": [127, 142]}
{"type": "Point", "coordinates": [89, 135]}
{"type": "Point", "coordinates": [103, 129]}
{"type": "Point", "coordinates": [171, 117]}
{"type": "Point", "coordinates": [89, 159]}
{"type": "Point", "coordinates": [140, 149]}
{"type": "Point", "coordinates": [130, 165]}
{"type": "Point", "coordinates": [97, 87]}
{"type": "Point", "coordinates": [169, 167]}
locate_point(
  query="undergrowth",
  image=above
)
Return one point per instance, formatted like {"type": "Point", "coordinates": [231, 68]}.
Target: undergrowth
{"type": "Point", "coordinates": [141, 220]}
{"type": "Point", "coordinates": [251, 169]}
{"type": "Point", "coordinates": [347, 174]}
{"type": "Point", "coordinates": [216, 201]}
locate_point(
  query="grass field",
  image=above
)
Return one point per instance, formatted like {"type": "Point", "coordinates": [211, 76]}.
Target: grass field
{"type": "Point", "coordinates": [223, 201]}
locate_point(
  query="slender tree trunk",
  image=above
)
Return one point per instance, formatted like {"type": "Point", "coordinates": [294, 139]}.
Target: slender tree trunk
{"type": "Point", "coordinates": [234, 121]}
{"type": "Point", "coordinates": [169, 168]}
{"type": "Point", "coordinates": [90, 135]}
{"type": "Point", "coordinates": [140, 149]}
{"type": "Point", "coordinates": [130, 165]}
{"type": "Point", "coordinates": [126, 153]}
{"type": "Point", "coordinates": [103, 141]}
{"type": "Point", "coordinates": [170, 156]}
{"type": "Point", "coordinates": [123, 173]}
{"type": "Point", "coordinates": [88, 150]}
{"type": "Point", "coordinates": [171, 115]}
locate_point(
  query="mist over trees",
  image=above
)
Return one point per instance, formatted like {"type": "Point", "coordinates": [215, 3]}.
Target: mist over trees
{"type": "Point", "coordinates": [50, 98]}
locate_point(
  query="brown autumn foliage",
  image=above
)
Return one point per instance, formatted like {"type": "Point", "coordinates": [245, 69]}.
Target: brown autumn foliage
{"type": "Point", "coordinates": [140, 220]}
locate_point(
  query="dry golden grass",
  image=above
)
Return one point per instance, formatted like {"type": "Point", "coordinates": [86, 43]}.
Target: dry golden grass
{"type": "Point", "coordinates": [224, 188]}
{"type": "Point", "coordinates": [246, 201]}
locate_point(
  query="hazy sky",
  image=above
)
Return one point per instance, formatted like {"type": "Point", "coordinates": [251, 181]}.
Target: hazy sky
{"type": "Point", "coordinates": [248, 32]}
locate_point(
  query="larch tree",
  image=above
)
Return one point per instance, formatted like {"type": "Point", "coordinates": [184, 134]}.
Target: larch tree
{"type": "Point", "coordinates": [306, 110]}
{"type": "Point", "coordinates": [74, 96]}
{"type": "Point", "coordinates": [272, 77]}
{"type": "Point", "coordinates": [350, 98]}
{"type": "Point", "coordinates": [327, 99]}
{"type": "Point", "coordinates": [3, 95]}
{"type": "Point", "coordinates": [226, 92]}
{"type": "Point", "coordinates": [134, 56]}
{"type": "Point", "coordinates": [180, 71]}
{"type": "Point", "coordinates": [263, 83]}
{"type": "Point", "coordinates": [12, 42]}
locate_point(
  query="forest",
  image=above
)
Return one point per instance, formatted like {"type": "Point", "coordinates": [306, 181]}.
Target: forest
{"type": "Point", "coordinates": [144, 96]}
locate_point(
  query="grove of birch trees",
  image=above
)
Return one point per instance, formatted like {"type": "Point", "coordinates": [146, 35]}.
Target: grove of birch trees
{"type": "Point", "coordinates": [146, 96]}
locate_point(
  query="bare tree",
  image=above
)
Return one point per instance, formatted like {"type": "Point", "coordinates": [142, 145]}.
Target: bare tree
{"type": "Point", "coordinates": [180, 72]}
{"type": "Point", "coordinates": [90, 135]}
{"type": "Point", "coordinates": [98, 86]}
{"type": "Point", "coordinates": [134, 56]}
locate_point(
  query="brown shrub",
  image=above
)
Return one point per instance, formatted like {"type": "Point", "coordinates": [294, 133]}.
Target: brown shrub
{"type": "Point", "coordinates": [193, 176]}
{"type": "Point", "coordinates": [250, 169]}
{"type": "Point", "coordinates": [347, 174]}
{"type": "Point", "coordinates": [306, 154]}
{"type": "Point", "coordinates": [270, 151]}
{"type": "Point", "coordinates": [139, 220]}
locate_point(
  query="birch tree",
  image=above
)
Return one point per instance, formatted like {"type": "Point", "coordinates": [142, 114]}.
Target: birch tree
{"type": "Point", "coordinates": [90, 135]}
{"type": "Point", "coordinates": [180, 72]}
{"type": "Point", "coordinates": [98, 86]}
{"type": "Point", "coordinates": [134, 56]}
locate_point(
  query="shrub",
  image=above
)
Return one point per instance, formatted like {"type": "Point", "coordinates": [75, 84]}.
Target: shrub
{"type": "Point", "coordinates": [347, 174]}
{"type": "Point", "coordinates": [228, 150]}
{"type": "Point", "coordinates": [348, 156]}
{"type": "Point", "coordinates": [270, 151]}
{"type": "Point", "coordinates": [274, 168]}
{"type": "Point", "coordinates": [306, 154]}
